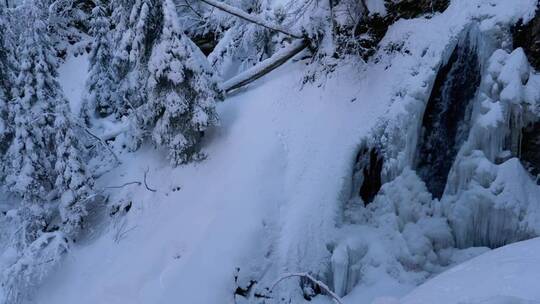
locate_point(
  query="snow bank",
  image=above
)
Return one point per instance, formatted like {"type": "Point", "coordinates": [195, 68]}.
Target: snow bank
{"type": "Point", "coordinates": [508, 275]}
{"type": "Point", "coordinates": [270, 188]}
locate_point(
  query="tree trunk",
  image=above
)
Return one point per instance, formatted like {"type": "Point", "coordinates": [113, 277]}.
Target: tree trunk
{"type": "Point", "coordinates": [265, 66]}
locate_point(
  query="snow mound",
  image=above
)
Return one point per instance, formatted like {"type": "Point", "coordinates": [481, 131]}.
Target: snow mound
{"type": "Point", "coordinates": [507, 275]}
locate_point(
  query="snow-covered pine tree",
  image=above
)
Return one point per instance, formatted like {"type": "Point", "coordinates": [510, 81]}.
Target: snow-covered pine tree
{"type": "Point", "coordinates": [7, 79]}
{"type": "Point", "coordinates": [99, 86]}
{"type": "Point", "coordinates": [132, 53]}
{"type": "Point", "coordinates": [31, 154]}
{"type": "Point", "coordinates": [68, 21]}
{"type": "Point", "coordinates": [44, 158]}
{"type": "Point", "coordinates": [73, 182]}
{"type": "Point", "coordinates": [182, 92]}
{"type": "Point", "coordinates": [44, 164]}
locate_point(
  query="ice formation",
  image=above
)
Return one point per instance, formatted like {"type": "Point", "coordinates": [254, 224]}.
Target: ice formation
{"type": "Point", "coordinates": [450, 161]}
{"type": "Point", "coordinates": [491, 199]}
{"type": "Point", "coordinates": [443, 123]}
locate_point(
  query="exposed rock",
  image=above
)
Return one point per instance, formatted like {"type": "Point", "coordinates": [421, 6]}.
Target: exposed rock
{"type": "Point", "coordinates": [530, 149]}
{"type": "Point", "coordinates": [527, 36]}
{"type": "Point", "coordinates": [372, 28]}
{"type": "Point", "coordinates": [414, 8]}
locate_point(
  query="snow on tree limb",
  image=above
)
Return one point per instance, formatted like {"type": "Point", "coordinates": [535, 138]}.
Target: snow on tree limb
{"type": "Point", "coordinates": [251, 18]}
{"type": "Point", "coordinates": [313, 280]}
{"type": "Point", "coordinates": [264, 67]}
{"type": "Point", "coordinates": [101, 141]}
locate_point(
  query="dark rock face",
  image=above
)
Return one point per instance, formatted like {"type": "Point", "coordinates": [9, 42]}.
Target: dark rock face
{"type": "Point", "coordinates": [369, 163]}
{"type": "Point", "coordinates": [370, 32]}
{"type": "Point", "coordinates": [414, 8]}
{"type": "Point", "coordinates": [372, 28]}
{"type": "Point", "coordinates": [527, 36]}
{"type": "Point", "coordinates": [530, 150]}
{"type": "Point", "coordinates": [444, 123]}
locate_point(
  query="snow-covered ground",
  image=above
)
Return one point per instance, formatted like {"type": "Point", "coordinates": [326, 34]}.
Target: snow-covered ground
{"type": "Point", "coordinates": [269, 157]}
{"type": "Point", "coordinates": [72, 76]}
{"type": "Point", "coordinates": [508, 275]}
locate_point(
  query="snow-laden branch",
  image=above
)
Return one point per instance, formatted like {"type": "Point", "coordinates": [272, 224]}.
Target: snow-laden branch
{"type": "Point", "coordinates": [265, 66]}
{"type": "Point", "coordinates": [101, 141]}
{"type": "Point", "coordinates": [313, 280]}
{"type": "Point", "coordinates": [251, 18]}
{"type": "Point", "coordinates": [81, 125]}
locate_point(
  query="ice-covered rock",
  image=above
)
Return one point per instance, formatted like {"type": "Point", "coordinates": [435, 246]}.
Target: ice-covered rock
{"type": "Point", "coordinates": [491, 200]}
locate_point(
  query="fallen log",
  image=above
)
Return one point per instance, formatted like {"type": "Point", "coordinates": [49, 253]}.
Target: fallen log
{"type": "Point", "coordinates": [264, 67]}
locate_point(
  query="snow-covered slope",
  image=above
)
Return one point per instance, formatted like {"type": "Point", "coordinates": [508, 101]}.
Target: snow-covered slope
{"type": "Point", "coordinates": [508, 275]}
{"type": "Point", "coordinates": [72, 77]}
{"type": "Point", "coordinates": [279, 149]}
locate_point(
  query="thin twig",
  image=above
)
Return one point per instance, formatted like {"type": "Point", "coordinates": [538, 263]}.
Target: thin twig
{"type": "Point", "coordinates": [313, 280]}
{"type": "Point", "coordinates": [193, 9]}
{"type": "Point", "coordinates": [122, 186]}
{"type": "Point", "coordinates": [104, 144]}
{"type": "Point", "coordinates": [145, 184]}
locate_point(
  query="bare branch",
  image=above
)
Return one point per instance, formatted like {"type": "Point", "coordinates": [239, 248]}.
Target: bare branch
{"type": "Point", "coordinates": [251, 18]}
{"type": "Point", "coordinates": [313, 280]}
{"type": "Point", "coordinates": [264, 67]}
{"type": "Point", "coordinates": [101, 141]}
{"type": "Point", "coordinates": [193, 9]}
{"type": "Point", "coordinates": [122, 186]}
{"type": "Point", "coordinates": [134, 183]}
{"type": "Point", "coordinates": [145, 184]}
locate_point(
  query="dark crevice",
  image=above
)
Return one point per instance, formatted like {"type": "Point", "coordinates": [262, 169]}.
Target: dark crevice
{"type": "Point", "coordinates": [444, 122]}
{"type": "Point", "coordinates": [527, 36]}
{"type": "Point", "coordinates": [309, 289]}
{"type": "Point", "coordinates": [409, 9]}
{"type": "Point", "coordinates": [246, 291]}
{"type": "Point", "coordinates": [206, 43]}
{"type": "Point", "coordinates": [369, 164]}
{"type": "Point", "coordinates": [530, 150]}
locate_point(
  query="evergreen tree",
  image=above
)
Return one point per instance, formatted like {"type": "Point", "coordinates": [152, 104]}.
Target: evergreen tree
{"type": "Point", "coordinates": [44, 163]}
{"type": "Point", "coordinates": [7, 79]}
{"type": "Point", "coordinates": [182, 92]}
{"type": "Point", "coordinates": [99, 86]}
{"type": "Point", "coordinates": [45, 154]}
{"type": "Point", "coordinates": [31, 154]}
{"type": "Point", "coordinates": [72, 179]}
{"type": "Point", "coordinates": [67, 21]}
{"type": "Point", "coordinates": [131, 58]}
